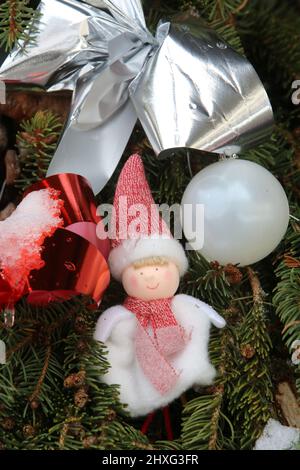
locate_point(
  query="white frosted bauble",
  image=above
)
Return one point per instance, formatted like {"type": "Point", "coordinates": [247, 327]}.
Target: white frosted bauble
{"type": "Point", "coordinates": [246, 211]}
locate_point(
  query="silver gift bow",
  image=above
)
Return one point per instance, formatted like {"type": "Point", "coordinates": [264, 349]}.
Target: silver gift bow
{"type": "Point", "coordinates": [187, 86]}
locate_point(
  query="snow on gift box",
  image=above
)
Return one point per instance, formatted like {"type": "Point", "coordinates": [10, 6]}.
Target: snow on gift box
{"type": "Point", "coordinates": [48, 246]}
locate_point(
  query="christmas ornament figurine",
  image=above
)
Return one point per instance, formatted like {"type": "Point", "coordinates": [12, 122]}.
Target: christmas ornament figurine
{"type": "Point", "coordinates": [157, 341]}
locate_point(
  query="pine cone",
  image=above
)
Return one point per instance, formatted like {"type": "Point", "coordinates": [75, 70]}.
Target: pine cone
{"type": "Point", "coordinates": [233, 274]}
{"type": "Point", "coordinates": [111, 415]}
{"type": "Point", "coordinates": [75, 380]}
{"type": "Point", "coordinates": [89, 441]}
{"type": "Point", "coordinates": [247, 351]}
{"type": "Point", "coordinates": [76, 429]}
{"type": "Point", "coordinates": [34, 404]}
{"type": "Point", "coordinates": [81, 397]}
{"type": "Point", "coordinates": [215, 265]}
{"type": "Point", "coordinates": [28, 430]}
{"type": "Point", "coordinates": [81, 346]}
{"type": "Point", "coordinates": [8, 424]}
{"type": "Point", "coordinates": [80, 325]}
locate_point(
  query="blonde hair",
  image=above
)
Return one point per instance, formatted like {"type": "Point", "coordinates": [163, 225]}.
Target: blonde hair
{"type": "Point", "coordinates": [151, 261]}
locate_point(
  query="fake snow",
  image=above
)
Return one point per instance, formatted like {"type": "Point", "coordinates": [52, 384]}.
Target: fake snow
{"type": "Point", "coordinates": [277, 437]}
{"type": "Point", "coordinates": [23, 233]}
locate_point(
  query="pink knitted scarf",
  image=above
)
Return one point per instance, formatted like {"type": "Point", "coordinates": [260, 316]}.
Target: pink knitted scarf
{"type": "Point", "coordinates": [158, 337]}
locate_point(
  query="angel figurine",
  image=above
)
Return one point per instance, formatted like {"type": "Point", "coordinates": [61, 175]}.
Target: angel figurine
{"type": "Point", "coordinates": [157, 341]}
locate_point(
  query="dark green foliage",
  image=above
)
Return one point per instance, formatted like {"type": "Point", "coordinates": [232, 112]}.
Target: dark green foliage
{"type": "Point", "coordinates": [287, 292]}
{"type": "Point", "coordinates": [39, 410]}
{"type": "Point", "coordinates": [37, 141]}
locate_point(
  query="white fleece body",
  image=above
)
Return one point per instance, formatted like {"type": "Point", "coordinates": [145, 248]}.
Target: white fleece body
{"type": "Point", "coordinates": [116, 328]}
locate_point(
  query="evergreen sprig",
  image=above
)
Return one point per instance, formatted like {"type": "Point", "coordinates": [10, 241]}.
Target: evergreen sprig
{"type": "Point", "coordinates": [37, 140]}
{"type": "Point", "coordinates": [287, 292]}
{"type": "Point", "coordinates": [17, 23]}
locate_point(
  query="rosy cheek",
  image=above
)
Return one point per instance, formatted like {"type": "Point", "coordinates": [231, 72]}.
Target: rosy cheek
{"type": "Point", "coordinates": [168, 275]}
{"type": "Point", "coordinates": [133, 281]}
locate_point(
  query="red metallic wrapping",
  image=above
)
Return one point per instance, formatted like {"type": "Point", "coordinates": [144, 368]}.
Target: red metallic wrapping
{"type": "Point", "coordinates": [75, 260]}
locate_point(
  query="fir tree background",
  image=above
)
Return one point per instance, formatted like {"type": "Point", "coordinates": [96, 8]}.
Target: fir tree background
{"type": "Point", "coordinates": [50, 393]}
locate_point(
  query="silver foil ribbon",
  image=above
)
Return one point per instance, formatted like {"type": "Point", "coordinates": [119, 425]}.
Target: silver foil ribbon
{"type": "Point", "coordinates": [186, 85]}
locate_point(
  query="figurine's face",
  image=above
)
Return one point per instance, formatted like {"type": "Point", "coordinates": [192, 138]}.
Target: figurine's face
{"type": "Point", "coordinates": [158, 281]}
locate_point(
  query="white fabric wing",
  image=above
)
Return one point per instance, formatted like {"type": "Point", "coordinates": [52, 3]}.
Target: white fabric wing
{"type": "Point", "coordinates": [108, 320]}
{"type": "Point", "coordinates": [214, 317]}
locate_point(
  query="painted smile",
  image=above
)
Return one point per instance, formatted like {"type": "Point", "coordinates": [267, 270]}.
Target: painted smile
{"type": "Point", "coordinates": [153, 288]}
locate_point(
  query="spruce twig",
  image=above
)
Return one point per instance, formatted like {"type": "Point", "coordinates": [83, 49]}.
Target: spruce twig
{"type": "Point", "coordinates": [18, 24]}
{"type": "Point", "coordinates": [37, 142]}
{"type": "Point", "coordinates": [219, 394]}
{"type": "Point", "coordinates": [39, 384]}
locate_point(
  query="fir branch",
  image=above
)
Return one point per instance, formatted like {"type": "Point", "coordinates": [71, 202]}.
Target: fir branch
{"type": "Point", "coordinates": [271, 30]}
{"type": "Point", "coordinates": [204, 417]}
{"type": "Point", "coordinates": [219, 394]}
{"type": "Point", "coordinates": [241, 7]}
{"type": "Point", "coordinates": [286, 297]}
{"type": "Point", "coordinates": [224, 9]}
{"type": "Point", "coordinates": [25, 341]}
{"type": "Point", "coordinates": [36, 392]}
{"type": "Point", "coordinates": [18, 23]}
{"type": "Point", "coordinates": [37, 142]}
{"type": "Point", "coordinates": [139, 446]}
{"type": "Point", "coordinates": [250, 392]}
{"type": "Point", "coordinates": [289, 325]}
{"type": "Point", "coordinates": [256, 288]}
{"type": "Point", "coordinates": [65, 429]}
{"type": "Point", "coordinates": [287, 292]}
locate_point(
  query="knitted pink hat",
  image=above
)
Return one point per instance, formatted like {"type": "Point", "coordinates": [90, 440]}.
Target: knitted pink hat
{"type": "Point", "coordinates": [140, 232]}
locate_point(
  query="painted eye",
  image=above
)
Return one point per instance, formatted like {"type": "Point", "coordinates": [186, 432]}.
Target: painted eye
{"type": "Point", "coordinates": [141, 273]}
{"type": "Point", "coordinates": [156, 269]}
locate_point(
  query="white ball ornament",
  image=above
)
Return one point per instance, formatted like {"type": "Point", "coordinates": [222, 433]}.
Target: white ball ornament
{"type": "Point", "coordinates": [246, 211]}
